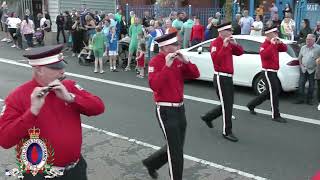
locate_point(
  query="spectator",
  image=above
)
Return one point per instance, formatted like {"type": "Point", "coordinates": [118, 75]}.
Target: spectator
{"type": "Point", "coordinates": [273, 11]}
{"type": "Point", "coordinates": [178, 23]}
{"type": "Point", "coordinates": [316, 32]}
{"type": "Point", "coordinates": [113, 49]}
{"type": "Point", "coordinates": [124, 27]}
{"type": "Point", "coordinates": [132, 18]}
{"type": "Point", "coordinates": [98, 44]}
{"type": "Point", "coordinates": [77, 36]}
{"type": "Point", "coordinates": [197, 32]}
{"type": "Point", "coordinates": [287, 27]}
{"type": "Point", "coordinates": [134, 30]}
{"type": "Point", "coordinates": [235, 25]}
{"type": "Point", "coordinates": [18, 36]}
{"type": "Point", "coordinates": [12, 22]}
{"type": "Point", "coordinates": [259, 10]}
{"type": "Point", "coordinates": [27, 29]}
{"type": "Point", "coordinates": [68, 28]}
{"type": "Point", "coordinates": [60, 28]}
{"type": "Point", "coordinates": [45, 24]}
{"type": "Point", "coordinates": [141, 60]}
{"type": "Point", "coordinates": [257, 26]}
{"type": "Point", "coordinates": [186, 32]}
{"type": "Point", "coordinates": [118, 15]}
{"type": "Point", "coordinates": [1, 12]}
{"type": "Point", "coordinates": [169, 27]}
{"type": "Point", "coordinates": [106, 32]}
{"type": "Point", "coordinates": [287, 9]}
{"type": "Point", "coordinates": [246, 23]}
{"type": "Point", "coordinates": [4, 20]}
{"type": "Point", "coordinates": [173, 16]}
{"type": "Point", "coordinates": [317, 77]}
{"type": "Point", "coordinates": [146, 19]}
{"type": "Point", "coordinates": [304, 31]}
{"type": "Point", "coordinates": [157, 32]}
{"type": "Point", "coordinates": [37, 20]}
{"type": "Point", "coordinates": [307, 58]}
{"type": "Point", "coordinates": [90, 25]}
{"type": "Point", "coordinates": [218, 17]}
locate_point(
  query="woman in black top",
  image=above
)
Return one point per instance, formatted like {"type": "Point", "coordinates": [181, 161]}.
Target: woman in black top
{"type": "Point", "coordinates": [123, 27]}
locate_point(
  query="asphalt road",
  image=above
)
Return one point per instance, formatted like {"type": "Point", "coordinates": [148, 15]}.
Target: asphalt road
{"type": "Point", "coordinates": [266, 148]}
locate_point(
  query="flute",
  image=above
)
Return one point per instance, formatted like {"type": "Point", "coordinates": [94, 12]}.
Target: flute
{"type": "Point", "coordinates": [49, 88]}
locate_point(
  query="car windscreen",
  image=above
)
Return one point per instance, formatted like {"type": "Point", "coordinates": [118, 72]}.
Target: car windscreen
{"type": "Point", "coordinates": [293, 50]}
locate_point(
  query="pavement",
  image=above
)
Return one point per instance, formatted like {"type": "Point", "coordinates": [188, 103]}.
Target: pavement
{"type": "Point", "coordinates": [127, 132]}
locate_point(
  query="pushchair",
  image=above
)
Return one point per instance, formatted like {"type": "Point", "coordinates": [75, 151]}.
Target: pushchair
{"type": "Point", "coordinates": [123, 50]}
{"type": "Point", "coordinates": [39, 36]}
{"type": "Point", "coordinates": [86, 56]}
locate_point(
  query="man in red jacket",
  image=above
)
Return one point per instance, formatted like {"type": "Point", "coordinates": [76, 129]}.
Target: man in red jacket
{"type": "Point", "coordinates": [269, 53]}
{"type": "Point", "coordinates": [167, 72]}
{"type": "Point", "coordinates": [222, 49]}
{"type": "Point", "coordinates": [50, 107]}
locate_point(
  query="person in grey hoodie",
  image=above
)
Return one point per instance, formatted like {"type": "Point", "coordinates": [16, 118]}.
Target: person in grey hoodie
{"type": "Point", "coordinates": [186, 32]}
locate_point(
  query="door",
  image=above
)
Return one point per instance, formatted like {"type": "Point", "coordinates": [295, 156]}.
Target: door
{"type": "Point", "coordinates": [202, 60]}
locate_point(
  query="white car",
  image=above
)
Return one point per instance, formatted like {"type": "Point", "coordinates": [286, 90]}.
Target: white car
{"type": "Point", "coordinates": [247, 67]}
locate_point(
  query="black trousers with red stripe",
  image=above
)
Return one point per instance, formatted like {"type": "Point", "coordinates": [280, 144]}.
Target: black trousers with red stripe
{"type": "Point", "coordinates": [172, 121]}
{"type": "Point", "coordinates": [272, 92]}
{"type": "Point", "coordinates": [225, 92]}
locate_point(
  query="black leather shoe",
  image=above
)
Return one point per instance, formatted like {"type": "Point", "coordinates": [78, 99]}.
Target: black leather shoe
{"type": "Point", "coordinates": [280, 120]}
{"type": "Point", "coordinates": [208, 123]}
{"type": "Point", "coordinates": [310, 102]}
{"type": "Point", "coordinates": [299, 101]}
{"type": "Point", "coordinates": [231, 137]}
{"type": "Point", "coordinates": [152, 172]}
{"type": "Point", "coordinates": [251, 110]}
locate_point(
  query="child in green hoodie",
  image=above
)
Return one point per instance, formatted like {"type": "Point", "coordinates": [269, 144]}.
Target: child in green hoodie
{"type": "Point", "coordinates": [98, 44]}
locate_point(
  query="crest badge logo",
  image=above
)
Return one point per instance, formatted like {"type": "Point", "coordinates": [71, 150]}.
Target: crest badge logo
{"type": "Point", "coordinates": [34, 156]}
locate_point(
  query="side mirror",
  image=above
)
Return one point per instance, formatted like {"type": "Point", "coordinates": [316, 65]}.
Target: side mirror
{"type": "Point", "coordinates": [199, 50]}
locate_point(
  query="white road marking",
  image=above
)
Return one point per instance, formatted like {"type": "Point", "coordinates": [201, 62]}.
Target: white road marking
{"type": "Point", "coordinates": [193, 98]}
{"type": "Point", "coordinates": [191, 158]}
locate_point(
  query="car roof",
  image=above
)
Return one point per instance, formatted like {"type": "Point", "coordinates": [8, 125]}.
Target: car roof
{"type": "Point", "coordinates": [259, 39]}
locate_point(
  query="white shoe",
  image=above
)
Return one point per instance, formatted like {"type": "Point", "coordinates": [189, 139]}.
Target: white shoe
{"type": "Point", "coordinates": [13, 46]}
{"type": "Point", "coordinates": [4, 40]}
{"type": "Point", "coordinates": [233, 117]}
{"type": "Point", "coordinates": [319, 107]}
{"type": "Point", "coordinates": [28, 49]}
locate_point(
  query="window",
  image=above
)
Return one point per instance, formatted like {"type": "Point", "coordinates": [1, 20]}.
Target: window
{"type": "Point", "coordinates": [205, 48]}
{"type": "Point", "coordinates": [293, 50]}
{"type": "Point", "coordinates": [249, 47]}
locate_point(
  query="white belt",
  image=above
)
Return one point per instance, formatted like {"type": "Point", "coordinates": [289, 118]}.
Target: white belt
{"type": "Point", "coordinates": [169, 104]}
{"type": "Point", "coordinates": [272, 70]}
{"type": "Point", "coordinates": [223, 74]}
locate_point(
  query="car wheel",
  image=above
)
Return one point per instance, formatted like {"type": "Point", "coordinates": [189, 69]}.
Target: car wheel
{"type": "Point", "coordinates": [259, 85]}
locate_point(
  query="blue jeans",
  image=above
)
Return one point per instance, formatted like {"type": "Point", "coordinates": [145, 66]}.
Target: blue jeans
{"type": "Point", "coordinates": [29, 39]}
{"type": "Point", "coordinates": [304, 77]}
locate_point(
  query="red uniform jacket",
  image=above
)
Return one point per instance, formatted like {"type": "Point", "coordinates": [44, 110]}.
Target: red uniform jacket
{"type": "Point", "coordinates": [269, 54]}
{"type": "Point", "coordinates": [222, 56]}
{"type": "Point", "coordinates": [167, 82]}
{"type": "Point", "coordinates": [58, 121]}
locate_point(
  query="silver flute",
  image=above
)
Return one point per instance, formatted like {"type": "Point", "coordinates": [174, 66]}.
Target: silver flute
{"type": "Point", "coordinates": [49, 88]}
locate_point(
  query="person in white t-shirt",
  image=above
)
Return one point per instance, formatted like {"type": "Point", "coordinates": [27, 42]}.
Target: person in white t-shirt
{"type": "Point", "coordinates": [256, 27]}
{"type": "Point", "coordinates": [12, 22]}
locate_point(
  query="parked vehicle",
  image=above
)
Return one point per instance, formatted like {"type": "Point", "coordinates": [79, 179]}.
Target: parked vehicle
{"type": "Point", "coordinates": [247, 67]}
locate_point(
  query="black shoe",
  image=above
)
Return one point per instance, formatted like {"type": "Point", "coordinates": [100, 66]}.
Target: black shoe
{"type": "Point", "coordinates": [280, 120]}
{"type": "Point", "coordinates": [310, 102]}
{"type": "Point", "coordinates": [231, 137]}
{"type": "Point", "coordinates": [208, 123]}
{"type": "Point", "coordinates": [152, 172]}
{"type": "Point", "coordinates": [251, 110]}
{"type": "Point", "coordinates": [299, 101]}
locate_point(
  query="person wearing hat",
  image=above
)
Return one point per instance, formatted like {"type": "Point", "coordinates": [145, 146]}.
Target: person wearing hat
{"type": "Point", "coordinates": [54, 106]}
{"type": "Point", "coordinates": [269, 53]}
{"type": "Point", "coordinates": [167, 72]}
{"type": "Point", "coordinates": [222, 49]}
